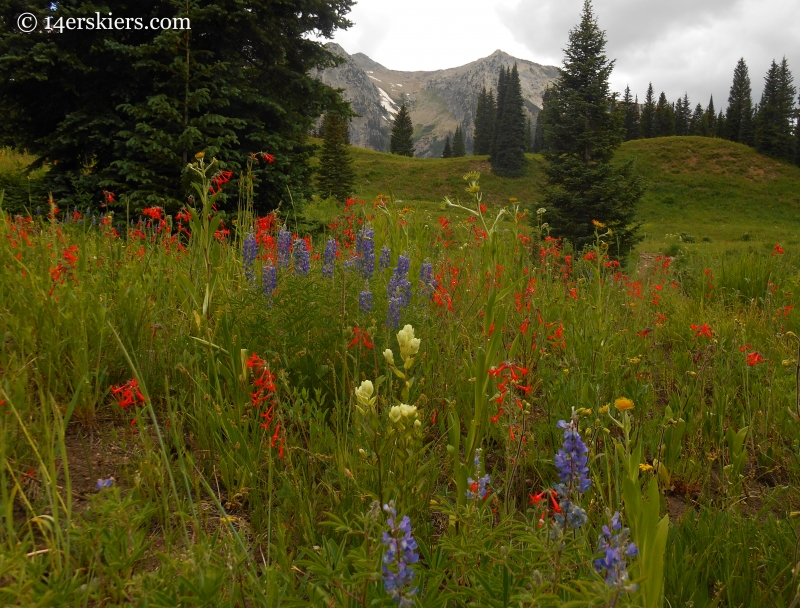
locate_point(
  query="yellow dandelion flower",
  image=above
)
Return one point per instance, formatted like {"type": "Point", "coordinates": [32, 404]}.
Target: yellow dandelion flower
{"type": "Point", "coordinates": [604, 409]}
{"type": "Point", "coordinates": [644, 467]}
{"type": "Point", "coordinates": [597, 224]}
{"type": "Point", "coordinates": [623, 404]}
{"type": "Point", "coordinates": [513, 199]}
{"type": "Point", "coordinates": [199, 155]}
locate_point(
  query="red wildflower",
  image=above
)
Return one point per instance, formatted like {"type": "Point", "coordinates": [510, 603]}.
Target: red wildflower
{"type": "Point", "coordinates": [701, 330]}
{"type": "Point", "coordinates": [359, 335]}
{"type": "Point", "coordinates": [268, 157]}
{"type": "Point", "coordinates": [754, 359]}
{"type": "Point", "coordinates": [777, 250]}
{"type": "Point", "coordinates": [535, 499]}
{"type": "Point", "coordinates": [127, 394]}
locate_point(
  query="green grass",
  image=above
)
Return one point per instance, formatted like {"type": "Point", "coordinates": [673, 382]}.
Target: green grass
{"type": "Point", "coordinates": [701, 187]}
{"type": "Point", "coordinates": [222, 498]}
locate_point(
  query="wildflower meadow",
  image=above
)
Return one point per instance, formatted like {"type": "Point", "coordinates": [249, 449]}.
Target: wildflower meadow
{"type": "Point", "coordinates": [407, 408]}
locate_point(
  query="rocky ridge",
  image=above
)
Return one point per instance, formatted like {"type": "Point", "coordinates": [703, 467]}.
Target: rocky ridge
{"type": "Point", "coordinates": [437, 100]}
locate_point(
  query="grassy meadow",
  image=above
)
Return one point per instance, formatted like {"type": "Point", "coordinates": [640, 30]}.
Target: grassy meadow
{"type": "Point", "coordinates": [199, 414]}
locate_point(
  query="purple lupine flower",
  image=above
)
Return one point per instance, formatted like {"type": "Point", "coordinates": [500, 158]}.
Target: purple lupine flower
{"type": "Point", "coordinates": [401, 550]}
{"type": "Point", "coordinates": [102, 484]}
{"type": "Point", "coordinates": [365, 250]}
{"type": "Point", "coordinates": [38, 210]}
{"type": "Point", "coordinates": [269, 280]}
{"type": "Point", "coordinates": [329, 258]}
{"type": "Point", "coordinates": [476, 490]}
{"type": "Point", "coordinates": [393, 315]}
{"type": "Point", "coordinates": [571, 461]}
{"type": "Point", "coordinates": [385, 260]}
{"type": "Point", "coordinates": [427, 284]}
{"type": "Point", "coordinates": [399, 289]}
{"type": "Point", "coordinates": [249, 254]}
{"type": "Point", "coordinates": [615, 546]}
{"type": "Point", "coordinates": [284, 245]}
{"type": "Point", "coordinates": [365, 299]}
{"type": "Point", "coordinates": [301, 260]}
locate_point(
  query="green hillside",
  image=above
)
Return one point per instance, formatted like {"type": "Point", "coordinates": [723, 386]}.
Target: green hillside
{"type": "Point", "coordinates": [701, 187]}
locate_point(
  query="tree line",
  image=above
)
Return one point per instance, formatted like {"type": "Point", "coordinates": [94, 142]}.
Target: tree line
{"type": "Point", "coordinates": [771, 126]}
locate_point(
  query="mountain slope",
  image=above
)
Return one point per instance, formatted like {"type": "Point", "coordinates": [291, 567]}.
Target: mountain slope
{"type": "Point", "coordinates": [438, 100]}
{"type": "Point", "coordinates": [707, 188]}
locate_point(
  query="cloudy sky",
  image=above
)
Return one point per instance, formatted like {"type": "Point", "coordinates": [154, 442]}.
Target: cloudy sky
{"type": "Point", "coordinates": [681, 46]}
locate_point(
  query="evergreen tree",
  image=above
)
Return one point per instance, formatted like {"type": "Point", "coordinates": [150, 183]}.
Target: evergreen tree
{"type": "Point", "coordinates": [458, 143]}
{"type": "Point", "coordinates": [402, 141]}
{"type": "Point", "coordinates": [447, 152]}
{"type": "Point", "coordinates": [664, 118]}
{"type": "Point", "coordinates": [721, 127]}
{"type": "Point", "coordinates": [582, 135]}
{"type": "Point", "coordinates": [631, 115]}
{"type": "Point", "coordinates": [776, 111]}
{"type": "Point", "coordinates": [484, 118]}
{"type": "Point", "coordinates": [711, 119]}
{"type": "Point", "coordinates": [682, 115]}
{"type": "Point", "coordinates": [646, 122]}
{"type": "Point", "coordinates": [502, 83]}
{"type": "Point", "coordinates": [335, 176]}
{"type": "Point", "coordinates": [134, 106]}
{"type": "Point", "coordinates": [539, 137]}
{"type": "Point", "coordinates": [797, 136]}
{"type": "Point", "coordinates": [508, 159]}
{"type": "Point", "coordinates": [696, 124]}
{"type": "Point", "coordinates": [739, 115]}
{"type": "Point", "coordinates": [528, 135]}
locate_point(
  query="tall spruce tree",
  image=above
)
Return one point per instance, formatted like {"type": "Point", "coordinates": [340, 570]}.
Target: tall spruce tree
{"type": "Point", "coordinates": [448, 151]}
{"type": "Point", "coordinates": [647, 120]}
{"type": "Point", "coordinates": [539, 137]}
{"type": "Point", "coordinates": [528, 135]}
{"type": "Point", "coordinates": [739, 114]}
{"type": "Point", "coordinates": [631, 115]}
{"type": "Point", "coordinates": [664, 119]}
{"type": "Point", "coordinates": [508, 159]}
{"type": "Point", "coordinates": [402, 141]}
{"type": "Point", "coordinates": [682, 115]}
{"type": "Point", "coordinates": [797, 136]}
{"type": "Point", "coordinates": [711, 118]}
{"type": "Point", "coordinates": [484, 118]}
{"type": "Point", "coordinates": [335, 176]}
{"type": "Point", "coordinates": [135, 105]}
{"type": "Point", "coordinates": [696, 124]}
{"type": "Point", "coordinates": [776, 111]}
{"type": "Point", "coordinates": [582, 135]}
{"type": "Point", "coordinates": [502, 85]}
{"type": "Point", "coordinates": [458, 143]}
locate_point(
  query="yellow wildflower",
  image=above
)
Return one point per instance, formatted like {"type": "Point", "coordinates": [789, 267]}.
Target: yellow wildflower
{"type": "Point", "coordinates": [604, 409]}
{"type": "Point", "coordinates": [623, 404]}
{"type": "Point", "coordinates": [644, 467]}
{"type": "Point", "coordinates": [597, 224]}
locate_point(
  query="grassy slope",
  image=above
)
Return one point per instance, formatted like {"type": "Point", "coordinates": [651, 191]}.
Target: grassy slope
{"type": "Point", "coordinates": [699, 186]}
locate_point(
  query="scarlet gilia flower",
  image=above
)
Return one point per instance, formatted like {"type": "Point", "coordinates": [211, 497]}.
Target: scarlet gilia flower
{"type": "Point", "coordinates": [217, 181]}
{"type": "Point", "coordinates": [701, 330]}
{"type": "Point", "coordinates": [360, 336]}
{"type": "Point", "coordinates": [754, 359]}
{"type": "Point", "coordinates": [70, 255]}
{"type": "Point", "coordinates": [267, 157]}
{"type": "Point", "coordinates": [110, 197]}
{"type": "Point", "coordinates": [777, 250]}
{"type": "Point", "coordinates": [590, 256]}
{"type": "Point", "coordinates": [128, 394]}
{"type": "Point", "coordinates": [264, 384]}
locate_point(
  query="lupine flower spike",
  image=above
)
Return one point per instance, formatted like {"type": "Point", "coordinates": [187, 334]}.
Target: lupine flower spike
{"type": "Point", "coordinates": [571, 461]}
{"type": "Point", "coordinates": [401, 548]}
{"type": "Point", "coordinates": [615, 546]}
{"type": "Point", "coordinates": [477, 489]}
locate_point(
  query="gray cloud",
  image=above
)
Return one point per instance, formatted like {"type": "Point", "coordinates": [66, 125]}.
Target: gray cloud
{"type": "Point", "coordinates": [681, 46]}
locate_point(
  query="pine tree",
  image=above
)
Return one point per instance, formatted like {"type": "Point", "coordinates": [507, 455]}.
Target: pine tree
{"type": "Point", "coordinates": [646, 126]}
{"type": "Point", "coordinates": [508, 159]}
{"type": "Point", "coordinates": [682, 115]}
{"type": "Point", "coordinates": [528, 135]}
{"type": "Point", "coordinates": [335, 176]}
{"type": "Point", "coordinates": [484, 118]}
{"type": "Point", "coordinates": [631, 115]}
{"type": "Point", "coordinates": [721, 126]}
{"type": "Point", "coordinates": [711, 119]}
{"type": "Point", "coordinates": [447, 152]}
{"type": "Point", "coordinates": [502, 82]}
{"type": "Point", "coordinates": [458, 143]}
{"type": "Point", "coordinates": [774, 121]}
{"type": "Point", "coordinates": [134, 106]}
{"type": "Point", "coordinates": [797, 136]}
{"type": "Point", "coordinates": [664, 118]}
{"type": "Point", "coordinates": [696, 123]}
{"type": "Point", "coordinates": [539, 137]}
{"type": "Point", "coordinates": [739, 115]}
{"type": "Point", "coordinates": [402, 141]}
{"type": "Point", "coordinates": [582, 135]}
